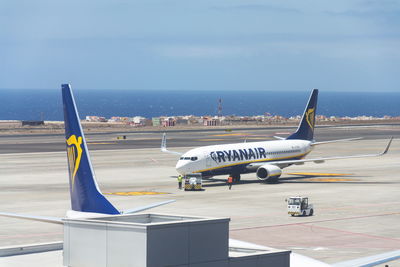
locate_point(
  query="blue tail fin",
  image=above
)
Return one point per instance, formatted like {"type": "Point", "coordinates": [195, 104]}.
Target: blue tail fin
{"type": "Point", "coordinates": [85, 194]}
{"type": "Point", "coordinates": [305, 131]}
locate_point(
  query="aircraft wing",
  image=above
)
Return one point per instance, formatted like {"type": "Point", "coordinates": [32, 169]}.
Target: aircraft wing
{"type": "Point", "coordinates": [370, 260]}
{"type": "Point", "coordinates": [138, 209]}
{"type": "Point", "coordinates": [320, 160]}
{"type": "Point", "coordinates": [33, 217]}
{"type": "Point", "coordinates": [164, 146]}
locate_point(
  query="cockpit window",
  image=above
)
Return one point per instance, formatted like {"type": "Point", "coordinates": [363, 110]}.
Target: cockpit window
{"type": "Point", "coordinates": [188, 158]}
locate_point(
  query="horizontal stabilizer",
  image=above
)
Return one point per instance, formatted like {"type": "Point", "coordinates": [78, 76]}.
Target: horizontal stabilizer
{"type": "Point", "coordinates": [33, 217]}
{"type": "Point", "coordinates": [279, 138]}
{"type": "Point", "coordinates": [164, 146]}
{"type": "Point", "coordinates": [335, 141]}
{"type": "Point", "coordinates": [139, 209]}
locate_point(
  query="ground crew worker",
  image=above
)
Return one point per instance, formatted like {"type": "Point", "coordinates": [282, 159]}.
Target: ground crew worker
{"type": "Point", "coordinates": [230, 182]}
{"type": "Point", "coordinates": [180, 178]}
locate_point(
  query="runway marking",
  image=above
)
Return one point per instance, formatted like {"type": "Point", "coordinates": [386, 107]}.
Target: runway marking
{"type": "Point", "coordinates": [101, 143]}
{"type": "Point", "coordinates": [319, 174]}
{"type": "Point", "coordinates": [139, 193]}
{"type": "Point", "coordinates": [30, 235]}
{"type": "Point", "coordinates": [231, 134]}
{"type": "Point", "coordinates": [154, 160]}
{"type": "Point", "coordinates": [206, 140]}
{"type": "Point", "coordinates": [353, 233]}
{"type": "Point", "coordinates": [320, 221]}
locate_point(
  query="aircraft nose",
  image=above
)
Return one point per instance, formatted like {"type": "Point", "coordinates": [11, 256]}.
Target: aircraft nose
{"type": "Point", "coordinates": [180, 167]}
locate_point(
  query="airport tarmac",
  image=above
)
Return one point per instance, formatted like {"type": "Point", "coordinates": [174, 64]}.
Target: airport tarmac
{"type": "Point", "coordinates": [187, 138]}
{"type": "Point", "coordinates": [356, 211]}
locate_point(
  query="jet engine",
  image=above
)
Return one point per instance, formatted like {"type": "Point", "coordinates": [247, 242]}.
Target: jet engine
{"type": "Point", "coordinates": [269, 173]}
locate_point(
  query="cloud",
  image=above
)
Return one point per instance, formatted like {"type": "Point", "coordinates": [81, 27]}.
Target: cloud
{"type": "Point", "coordinates": [257, 7]}
{"type": "Point", "coordinates": [200, 51]}
{"type": "Point", "coordinates": [383, 10]}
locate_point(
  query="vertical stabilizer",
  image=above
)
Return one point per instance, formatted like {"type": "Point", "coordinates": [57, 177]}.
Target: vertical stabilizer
{"type": "Point", "coordinates": [305, 131]}
{"type": "Point", "coordinates": [85, 194]}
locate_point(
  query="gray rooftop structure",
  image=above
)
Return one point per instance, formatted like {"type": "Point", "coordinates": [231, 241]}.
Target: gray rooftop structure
{"type": "Point", "coordinates": [159, 240]}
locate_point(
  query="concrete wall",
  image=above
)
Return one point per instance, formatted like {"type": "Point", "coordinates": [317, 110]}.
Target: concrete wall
{"type": "Point", "coordinates": [281, 259]}
{"type": "Point", "coordinates": [104, 245]}
{"type": "Point", "coordinates": [184, 244]}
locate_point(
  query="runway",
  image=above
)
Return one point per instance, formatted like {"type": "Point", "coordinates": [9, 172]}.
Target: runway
{"type": "Point", "coordinates": [193, 138]}
{"type": "Point", "coordinates": [357, 201]}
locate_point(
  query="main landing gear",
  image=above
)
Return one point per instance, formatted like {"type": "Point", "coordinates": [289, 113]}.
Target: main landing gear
{"type": "Point", "coordinates": [235, 177]}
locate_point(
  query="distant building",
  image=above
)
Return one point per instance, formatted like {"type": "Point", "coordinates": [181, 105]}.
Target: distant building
{"type": "Point", "coordinates": [168, 122]}
{"type": "Point", "coordinates": [182, 121]}
{"type": "Point", "coordinates": [156, 121]}
{"type": "Point", "coordinates": [120, 119]}
{"type": "Point", "coordinates": [32, 123]}
{"type": "Point", "coordinates": [210, 121]}
{"type": "Point", "coordinates": [95, 119]}
{"type": "Point", "coordinates": [139, 121]}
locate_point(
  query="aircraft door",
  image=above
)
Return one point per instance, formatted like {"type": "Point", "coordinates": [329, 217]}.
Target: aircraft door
{"type": "Point", "coordinates": [208, 160]}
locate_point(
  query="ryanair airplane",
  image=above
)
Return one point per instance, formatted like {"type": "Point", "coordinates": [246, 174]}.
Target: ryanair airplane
{"type": "Point", "coordinates": [87, 201]}
{"type": "Point", "coordinates": [266, 159]}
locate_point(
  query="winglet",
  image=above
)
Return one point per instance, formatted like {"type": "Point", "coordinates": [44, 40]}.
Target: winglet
{"type": "Point", "coordinates": [164, 146]}
{"type": "Point", "coordinates": [164, 143]}
{"type": "Point", "coordinates": [387, 147]}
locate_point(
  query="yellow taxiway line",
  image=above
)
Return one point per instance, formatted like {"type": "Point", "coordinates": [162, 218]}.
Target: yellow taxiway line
{"type": "Point", "coordinates": [136, 193]}
{"type": "Point", "coordinates": [328, 179]}
{"type": "Point", "coordinates": [318, 174]}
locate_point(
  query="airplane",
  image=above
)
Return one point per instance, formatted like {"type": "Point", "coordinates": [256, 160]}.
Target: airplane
{"type": "Point", "coordinates": [265, 158]}
{"type": "Point", "coordinates": [87, 201]}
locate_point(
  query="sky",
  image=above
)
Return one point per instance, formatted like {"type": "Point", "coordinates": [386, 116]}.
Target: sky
{"type": "Point", "coordinates": [340, 45]}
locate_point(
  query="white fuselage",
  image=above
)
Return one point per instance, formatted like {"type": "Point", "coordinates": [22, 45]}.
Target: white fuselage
{"type": "Point", "coordinates": [234, 158]}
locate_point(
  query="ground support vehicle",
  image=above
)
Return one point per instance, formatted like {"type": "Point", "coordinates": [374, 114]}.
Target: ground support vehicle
{"type": "Point", "coordinates": [299, 206]}
{"type": "Point", "coordinates": [193, 182]}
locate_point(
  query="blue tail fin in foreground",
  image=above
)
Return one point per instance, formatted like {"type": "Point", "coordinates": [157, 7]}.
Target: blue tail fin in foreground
{"type": "Point", "coordinates": [85, 194]}
{"type": "Point", "coordinates": [305, 131]}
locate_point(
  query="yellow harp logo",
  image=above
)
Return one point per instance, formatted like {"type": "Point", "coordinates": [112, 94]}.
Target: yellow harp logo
{"type": "Point", "coordinates": [74, 151]}
{"type": "Point", "coordinates": [310, 117]}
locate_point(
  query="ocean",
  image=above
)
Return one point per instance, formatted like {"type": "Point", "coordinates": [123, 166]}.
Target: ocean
{"type": "Point", "coordinates": [37, 104]}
